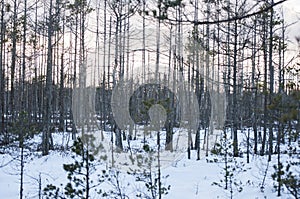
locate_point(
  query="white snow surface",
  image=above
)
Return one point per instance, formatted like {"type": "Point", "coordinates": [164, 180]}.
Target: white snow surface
{"type": "Point", "coordinates": [188, 178]}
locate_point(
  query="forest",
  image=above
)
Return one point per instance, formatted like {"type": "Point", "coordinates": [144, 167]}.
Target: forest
{"type": "Point", "coordinates": [120, 91]}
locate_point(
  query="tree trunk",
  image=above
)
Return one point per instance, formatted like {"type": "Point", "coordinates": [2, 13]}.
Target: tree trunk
{"type": "Point", "coordinates": [46, 138]}
{"type": "Point", "coordinates": [2, 36]}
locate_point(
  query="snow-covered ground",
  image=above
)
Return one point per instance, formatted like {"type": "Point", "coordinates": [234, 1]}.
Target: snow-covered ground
{"type": "Point", "coordinates": [188, 178]}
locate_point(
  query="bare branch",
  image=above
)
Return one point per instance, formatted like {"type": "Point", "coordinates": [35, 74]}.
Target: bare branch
{"type": "Point", "coordinates": [229, 19]}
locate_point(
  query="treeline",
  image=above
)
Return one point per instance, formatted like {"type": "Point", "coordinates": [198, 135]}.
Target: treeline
{"type": "Point", "coordinates": [283, 109]}
{"type": "Point", "coordinates": [49, 48]}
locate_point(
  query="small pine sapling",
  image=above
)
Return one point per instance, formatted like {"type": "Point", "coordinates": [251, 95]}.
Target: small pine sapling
{"type": "Point", "coordinates": [232, 168]}
{"type": "Point", "coordinates": [80, 173]}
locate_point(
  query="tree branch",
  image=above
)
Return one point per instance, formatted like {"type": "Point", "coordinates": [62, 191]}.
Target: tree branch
{"type": "Point", "coordinates": [228, 19]}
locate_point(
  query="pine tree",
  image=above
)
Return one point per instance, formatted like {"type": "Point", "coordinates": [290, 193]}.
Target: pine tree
{"type": "Point", "coordinates": [79, 173]}
{"type": "Point", "coordinates": [232, 167]}
{"type": "Point", "coordinates": [285, 112]}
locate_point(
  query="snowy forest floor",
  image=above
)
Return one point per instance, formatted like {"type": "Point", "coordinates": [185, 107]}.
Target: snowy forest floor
{"type": "Point", "coordinates": [188, 178]}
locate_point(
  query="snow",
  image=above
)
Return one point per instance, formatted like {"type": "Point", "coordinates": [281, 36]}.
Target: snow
{"type": "Point", "coordinates": [188, 178]}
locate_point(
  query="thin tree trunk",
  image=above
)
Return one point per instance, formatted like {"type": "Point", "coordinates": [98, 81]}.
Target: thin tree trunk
{"type": "Point", "coordinates": [271, 69]}
{"type": "Point", "coordinates": [48, 107]}
{"type": "Point", "coordinates": [13, 61]}
{"type": "Point", "coordinates": [23, 105]}
{"type": "Point", "coordinates": [265, 91]}
{"type": "Point", "coordinates": [2, 36]}
{"type": "Point", "coordinates": [254, 94]}
{"type": "Point", "coordinates": [234, 94]}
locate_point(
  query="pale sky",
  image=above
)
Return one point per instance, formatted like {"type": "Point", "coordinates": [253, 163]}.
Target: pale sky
{"type": "Point", "coordinates": [291, 10]}
{"type": "Point", "coordinates": [292, 14]}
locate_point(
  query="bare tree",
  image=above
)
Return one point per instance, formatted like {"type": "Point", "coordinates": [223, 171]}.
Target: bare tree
{"type": "Point", "coordinates": [47, 138]}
